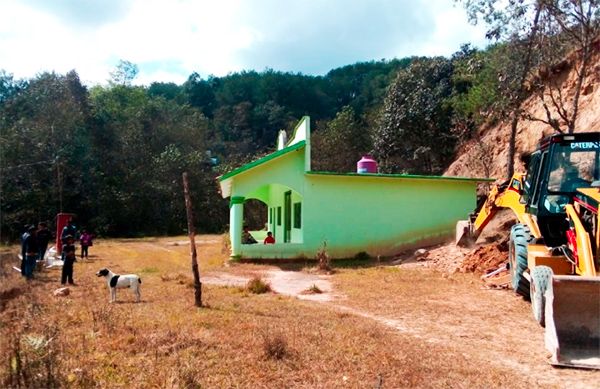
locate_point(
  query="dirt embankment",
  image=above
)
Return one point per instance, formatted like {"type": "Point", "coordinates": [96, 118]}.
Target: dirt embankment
{"type": "Point", "coordinates": [487, 153]}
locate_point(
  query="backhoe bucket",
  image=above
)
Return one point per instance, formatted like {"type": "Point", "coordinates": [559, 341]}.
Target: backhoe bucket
{"type": "Point", "coordinates": [464, 236]}
{"type": "Point", "coordinates": [572, 314]}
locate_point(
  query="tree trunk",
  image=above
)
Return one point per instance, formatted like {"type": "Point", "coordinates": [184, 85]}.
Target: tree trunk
{"type": "Point", "coordinates": [512, 145]}
{"type": "Point", "coordinates": [521, 94]}
{"type": "Point", "coordinates": [192, 234]}
{"type": "Point", "coordinates": [60, 186]}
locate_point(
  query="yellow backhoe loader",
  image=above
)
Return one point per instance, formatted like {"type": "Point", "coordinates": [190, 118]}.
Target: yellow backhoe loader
{"type": "Point", "coordinates": [554, 258]}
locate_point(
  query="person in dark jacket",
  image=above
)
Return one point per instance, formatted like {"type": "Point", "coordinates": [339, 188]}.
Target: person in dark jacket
{"type": "Point", "coordinates": [24, 236]}
{"type": "Point", "coordinates": [29, 252]}
{"type": "Point", "coordinates": [43, 237]}
{"type": "Point", "coordinates": [69, 229]}
{"type": "Point", "coordinates": [68, 251]}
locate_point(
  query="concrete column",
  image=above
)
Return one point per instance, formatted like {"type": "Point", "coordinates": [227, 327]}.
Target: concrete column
{"type": "Point", "coordinates": [236, 219]}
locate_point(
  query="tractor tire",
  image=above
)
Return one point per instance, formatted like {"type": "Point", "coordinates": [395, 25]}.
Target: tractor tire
{"type": "Point", "coordinates": [520, 237]}
{"type": "Point", "coordinates": [541, 278]}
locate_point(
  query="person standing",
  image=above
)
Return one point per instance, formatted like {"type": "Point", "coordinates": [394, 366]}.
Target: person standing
{"type": "Point", "coordinates": [43, 237]}
{"type": "Point", "coordinates": [69, 229]}
{"type": "Point", "coordinates": [86, 241]}
{"type": "Point", "coordinates": [29, 252]}
{"type": "Point", "coordinates": [24, 236]}
{"type": "Point", "coordinates": [68, 250]}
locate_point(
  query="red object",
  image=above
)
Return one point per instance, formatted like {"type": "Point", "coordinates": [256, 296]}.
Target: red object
{"type": "Point", "coordinates": [62, 219]}
{"type": "Point", "coordinates": [269, 240]}
{"type": "Point", "coordinates": [572, 243]}
{"type": "Point", "coordinates": [366, 165]}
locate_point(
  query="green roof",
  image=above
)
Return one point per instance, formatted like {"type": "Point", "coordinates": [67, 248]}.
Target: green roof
{"type": "Point", "coordinates": [401, 176]}
{"type": "Point", "coordinates": [262, 160]}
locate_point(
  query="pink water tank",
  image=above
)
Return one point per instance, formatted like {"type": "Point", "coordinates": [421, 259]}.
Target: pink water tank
{"type": "Point", "coordinates": [366, 165]}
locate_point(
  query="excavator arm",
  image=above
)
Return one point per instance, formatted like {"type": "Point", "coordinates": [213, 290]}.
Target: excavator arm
{"type": "Point", "coordinates": [505, 195]}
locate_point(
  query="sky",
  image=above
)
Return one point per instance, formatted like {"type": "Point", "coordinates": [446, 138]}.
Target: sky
{"type": "Point", "coordinates": [170, 39]}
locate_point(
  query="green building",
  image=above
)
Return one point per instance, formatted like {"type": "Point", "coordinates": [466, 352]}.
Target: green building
{"type": "Point", "coordinates": [381, 214]}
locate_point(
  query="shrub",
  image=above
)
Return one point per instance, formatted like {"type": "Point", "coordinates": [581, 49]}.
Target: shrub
{"type": "Point", "coordinates": [225, 244]}
{"type": "Point", "coordinates": [32, 357]}
{"type": "Point", "coordinates": [323, 260]}
{"type": "Point", "coordinates": [313, 289]}
{"type": "Point", "coordinates": [275, 345]}
{"type": "Point", "coordinates": [257, 286]}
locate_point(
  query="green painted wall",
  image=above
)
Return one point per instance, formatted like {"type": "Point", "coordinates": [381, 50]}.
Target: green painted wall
{"type": "Point", "coordinates": [382, 215]}
{"type": "Point", "coordinates": [268, 183]}
{"type": "Point", "coordinates": [377, 214]}
{"type": "Point", "coordinates": [276, 200]}
{"type": "Point", "coordinates": [287, 170]}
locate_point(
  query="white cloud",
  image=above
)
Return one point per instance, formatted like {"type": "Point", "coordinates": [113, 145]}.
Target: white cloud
{"type": "Point", "coordinates": [171, 39]}
{"type": "Point", "coordinates": [452, 29]}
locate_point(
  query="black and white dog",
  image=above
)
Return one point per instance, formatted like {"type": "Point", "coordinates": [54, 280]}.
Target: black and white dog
{"type": "Point", "coordinates": [116, 281]}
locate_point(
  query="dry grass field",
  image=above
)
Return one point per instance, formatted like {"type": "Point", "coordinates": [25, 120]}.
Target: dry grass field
{"type": "Point", "coordinates": [386, 327]}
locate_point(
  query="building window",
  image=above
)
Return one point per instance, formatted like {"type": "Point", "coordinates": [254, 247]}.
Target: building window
{"type": "Point", "coordinates": [270, 215]}
{"type": "Point", "coordinates": [278, 216]}
{"type": "Point", "coordinates": [297, 215]}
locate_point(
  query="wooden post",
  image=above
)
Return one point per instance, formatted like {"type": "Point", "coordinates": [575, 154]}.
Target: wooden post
{"type": "Point", "coordinates": [192, 233]}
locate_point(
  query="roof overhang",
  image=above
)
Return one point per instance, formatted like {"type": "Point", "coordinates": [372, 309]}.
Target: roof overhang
{"type": "Point", "coordinates": [226, 180]}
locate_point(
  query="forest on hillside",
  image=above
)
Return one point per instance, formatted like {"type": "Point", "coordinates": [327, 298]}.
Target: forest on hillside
{"type": "Point", "coordinates": [114, 154]}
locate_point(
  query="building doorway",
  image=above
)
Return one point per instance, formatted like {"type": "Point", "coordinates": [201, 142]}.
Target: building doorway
{"type": "Point", "coordinates": [287, 216]}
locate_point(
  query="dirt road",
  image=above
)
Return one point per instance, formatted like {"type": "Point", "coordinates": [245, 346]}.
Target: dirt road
{"type": "Point", "coordinates": [490, 327]}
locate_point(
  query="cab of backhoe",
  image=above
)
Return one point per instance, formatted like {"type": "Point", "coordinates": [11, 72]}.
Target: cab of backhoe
{"type": "Point", "coordinates": [561, 164]}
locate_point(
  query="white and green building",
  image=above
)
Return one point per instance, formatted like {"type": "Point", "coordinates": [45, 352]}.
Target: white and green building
{"type": "Point", "coordinates": [380, 214]}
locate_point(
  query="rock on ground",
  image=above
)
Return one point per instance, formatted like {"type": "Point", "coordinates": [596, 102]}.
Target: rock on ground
{"type": "Point", "coordinates": [62, 292]}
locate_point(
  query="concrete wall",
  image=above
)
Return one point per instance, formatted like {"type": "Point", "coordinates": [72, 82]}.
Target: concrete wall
{"type": "Point", "coordinates": [382, 215]}
{"type": "Point", "coordinates": [375, 214]}
{"type": "Point", "coordinates": [352, 213]}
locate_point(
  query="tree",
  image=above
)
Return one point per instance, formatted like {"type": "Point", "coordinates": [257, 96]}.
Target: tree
{"type": "Point", "coordinates": [517, 21]}
{"type": "Point", "coordinates": [124, 73]}
{"type": "Point", "coordinates": [9, 86]}
{"type": "Point", "coordinates": [201, 93]}
{"type": "Point", "coordinates": [475, 96]}
{"type": "Point", "coordinates": [168, 90]}
{"type": "Point", "coordinates": [340, 145]}
{"type": "Point", "coordinates": [115, 154]}
{"type": "Point", "coordinates": [44, 147]}
{"type": "Point", "coordinates": [143, 144]}
{"type": "Point", "coordinates": [414, 130]}
{"type": "Point", "coordinates": [536, 33]}
{"type": "Point", "coordinates": [578, 23]}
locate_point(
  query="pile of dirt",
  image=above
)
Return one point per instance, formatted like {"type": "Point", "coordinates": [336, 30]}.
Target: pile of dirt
{"type": "Point", "coordinates": [446, 258]}
{"type": "Point", "coordinates": [490, 252]}
{"type": "Point", "coordinates": [485, 258]}
{"type": "Point", "coordinates": [482, 259]}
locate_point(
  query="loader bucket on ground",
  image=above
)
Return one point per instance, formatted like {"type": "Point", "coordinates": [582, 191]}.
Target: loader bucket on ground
{"type": "Point", "coordinates": [463, 233]}
{"type": "Point", "coordinates": [573, 321]}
